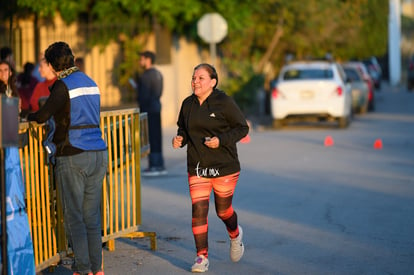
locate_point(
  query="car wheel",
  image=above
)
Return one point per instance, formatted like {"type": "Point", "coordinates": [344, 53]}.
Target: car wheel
{"type": "Point", "coordinates": [409, 86]}
{"type": "Point", "coordinates": [363, 109]}
{"type": "Point", "coordinates": [371, 106]}
{"type": "Point", "coordinates": [343, 122]}
{"type": "Point", "coordinates": [278, 123]}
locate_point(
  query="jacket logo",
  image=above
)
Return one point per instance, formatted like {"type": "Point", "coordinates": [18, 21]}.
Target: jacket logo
{"type": "Point", "coordinates": [212, 115]}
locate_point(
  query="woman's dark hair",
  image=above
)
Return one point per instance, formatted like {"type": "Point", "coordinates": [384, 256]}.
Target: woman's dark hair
{"type": "Point", "coordinates": [60, 56]}
{"type": "Point", "coordinates": [211, 71]}
{"type": "Point", "coordinates": [11, 81]}
{"type": "Point", "coordinates": [5, 52]}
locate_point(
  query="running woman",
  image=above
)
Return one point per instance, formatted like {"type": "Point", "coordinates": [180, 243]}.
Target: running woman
{"type": "Point", "coordinates": [210, 124]}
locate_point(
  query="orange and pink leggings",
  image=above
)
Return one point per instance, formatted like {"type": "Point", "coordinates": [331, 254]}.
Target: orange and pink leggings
{"type": "Point", "coordinates": [200, 190]}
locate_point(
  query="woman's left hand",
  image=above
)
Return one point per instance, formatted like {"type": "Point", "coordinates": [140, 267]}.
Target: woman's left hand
{"type": "Point", "coordinates": [212, 143]}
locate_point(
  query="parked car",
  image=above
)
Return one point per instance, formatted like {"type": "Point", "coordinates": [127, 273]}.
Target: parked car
{"type": "Point", "coordinates": [410, 73]}
{"type": "Point", "coordinates": [360, 89]}
{"type": "Point", "coordinates": [311, 89]}
{"type": "Point", "coordinates": [367, 78]}
{"type": "Point", "coordinates": [374, 70]}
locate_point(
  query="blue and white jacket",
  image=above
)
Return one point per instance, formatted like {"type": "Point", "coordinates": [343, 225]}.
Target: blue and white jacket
{"type": "Point", "coordinates": [74, 107]}
{"type": "Point", "coordinates": [84, 132]}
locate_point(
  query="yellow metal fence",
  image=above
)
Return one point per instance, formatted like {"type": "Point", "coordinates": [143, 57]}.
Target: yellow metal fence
{"type": "Point", "coordinates": [126, 134]}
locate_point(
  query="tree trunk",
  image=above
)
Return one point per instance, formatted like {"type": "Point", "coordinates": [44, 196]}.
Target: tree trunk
{"type": "Point", "coordinates": [278, 33]}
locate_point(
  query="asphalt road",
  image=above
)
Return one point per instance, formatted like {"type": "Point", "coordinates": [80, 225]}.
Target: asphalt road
{"type": "Point", "coordinates": [305, 208]}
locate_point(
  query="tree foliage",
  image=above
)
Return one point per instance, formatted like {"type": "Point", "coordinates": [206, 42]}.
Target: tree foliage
{"type": "Point", "coordinates": [348, 28]}
{"type": "Point", "coordinates": [312, 28]}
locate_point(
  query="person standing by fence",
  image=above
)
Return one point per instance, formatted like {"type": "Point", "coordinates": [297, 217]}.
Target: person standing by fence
{"type": "Point", "coordinates": [150, 86]}
{"type": "Point", "coordinates": [81, 156]}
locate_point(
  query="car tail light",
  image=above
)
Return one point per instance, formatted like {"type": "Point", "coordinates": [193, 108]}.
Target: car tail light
{"type": "Point", "coordinates": [275, 93]}
{"type": "Point", "coordinates": [369, 83]}
{"type": "Point", "coordinates": [339, 90]}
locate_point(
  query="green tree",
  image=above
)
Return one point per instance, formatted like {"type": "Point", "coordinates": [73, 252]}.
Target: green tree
{"type": "Point", "coordinates": [260, 32]}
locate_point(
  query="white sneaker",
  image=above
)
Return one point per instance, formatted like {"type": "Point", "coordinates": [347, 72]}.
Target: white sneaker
{"type": "Point", "coordinates": [237, 247]}
{"type": "Point", "coordinates": [200, 264]}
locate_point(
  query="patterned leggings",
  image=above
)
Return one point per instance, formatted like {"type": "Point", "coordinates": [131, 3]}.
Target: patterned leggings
{"type": "Point", "coordinates": [200, 189]}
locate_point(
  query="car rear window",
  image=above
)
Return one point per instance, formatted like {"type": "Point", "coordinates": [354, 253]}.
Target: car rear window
{"type": "Point", "coordinates": [352, 74]}
{"type": "Point", "coordinates": [304, 74]}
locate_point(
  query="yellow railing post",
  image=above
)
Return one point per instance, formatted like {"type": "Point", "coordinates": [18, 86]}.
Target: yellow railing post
{"type": "Point", "coordinates": [137, 157]}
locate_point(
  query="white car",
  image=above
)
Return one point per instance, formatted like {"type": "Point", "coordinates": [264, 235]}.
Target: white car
{"type": "Point", "coordinates": [312, 89]}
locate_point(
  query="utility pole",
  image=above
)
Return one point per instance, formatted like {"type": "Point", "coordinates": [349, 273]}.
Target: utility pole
{"type": "Point", "coordinates": [394, 41]}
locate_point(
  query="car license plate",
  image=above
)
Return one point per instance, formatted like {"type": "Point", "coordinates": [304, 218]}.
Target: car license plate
{"type": "Point", "coordinates": [306, 94]}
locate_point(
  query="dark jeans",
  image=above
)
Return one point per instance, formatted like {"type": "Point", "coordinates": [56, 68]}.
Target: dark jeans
{"type": "Point", "coordinates": [79, 178]}
{"type": "Point", "coordinates": [155, 158]}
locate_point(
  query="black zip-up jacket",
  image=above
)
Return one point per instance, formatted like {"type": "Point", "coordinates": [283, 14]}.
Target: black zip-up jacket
{"type": "Point", "coordinates": [218, 116]}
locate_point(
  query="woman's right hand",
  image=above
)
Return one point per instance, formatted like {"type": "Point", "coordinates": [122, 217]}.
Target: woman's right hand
{"type": "Point", "coordinates": [177, 142]}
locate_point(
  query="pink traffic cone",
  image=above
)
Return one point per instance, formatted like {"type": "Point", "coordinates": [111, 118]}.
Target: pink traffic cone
{"type": "Point", "coordinates": [328, 141]}
{"type": "Point", "coordinates": [378, 144]}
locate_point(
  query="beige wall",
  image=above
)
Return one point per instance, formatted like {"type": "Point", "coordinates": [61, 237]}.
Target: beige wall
{"type": "Point", "coordinates": [99, 63]}
{"type": "Point", "coordinates": [407, 46]}
{"type": "Point", "coordinates": [177, 79]}
{"type": "Point", "coordinates": [407, 8]}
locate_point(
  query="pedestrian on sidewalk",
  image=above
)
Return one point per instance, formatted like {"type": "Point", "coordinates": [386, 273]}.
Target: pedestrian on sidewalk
{"type": "Point", "coordinates": [150, 86]}
{"type": "Point", "coordinates": [210, 124]}
{"type": "Point", "coordinates": [79, 155]}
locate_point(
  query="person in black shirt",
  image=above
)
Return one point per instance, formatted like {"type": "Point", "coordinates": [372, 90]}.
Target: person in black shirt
{"type": "Point", "coordinates": [150, 86]}
{"type": "Point", "coordinates": [78, 153]}
{"type": "Point", "coordinates": [210, 124]}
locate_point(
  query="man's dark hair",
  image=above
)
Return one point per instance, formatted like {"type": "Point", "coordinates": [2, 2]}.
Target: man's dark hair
{"type": "Point", "coordinates": [60, 56]}
{"type": "Point", "coordinates": [149, 54]}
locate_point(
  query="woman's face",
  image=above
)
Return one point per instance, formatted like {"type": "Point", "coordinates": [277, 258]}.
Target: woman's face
{"type": "Point", "coordinates": [4, 73]}
{"type": "Point", "coordinates": [46, 70]}
{"type": "Point", "coordinates": [202, 84]}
